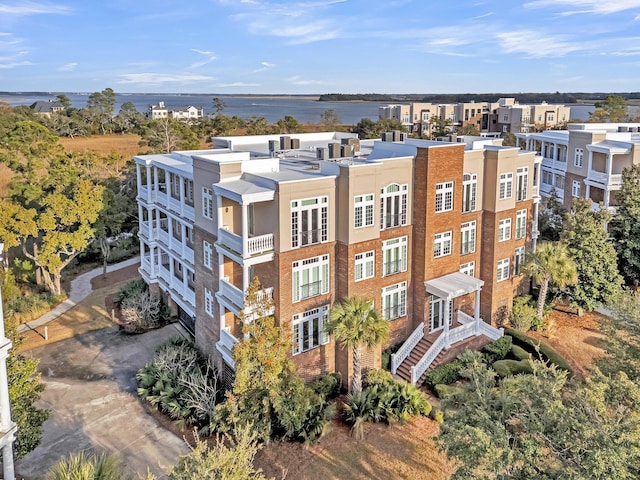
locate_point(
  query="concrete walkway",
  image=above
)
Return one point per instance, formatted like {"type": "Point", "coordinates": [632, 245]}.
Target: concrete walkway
{"type": "Point", "coordinates": [79, 290]}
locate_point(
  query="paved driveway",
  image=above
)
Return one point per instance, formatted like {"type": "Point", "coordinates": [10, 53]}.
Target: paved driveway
{"type": "Point", "coordinates": [91, 392]}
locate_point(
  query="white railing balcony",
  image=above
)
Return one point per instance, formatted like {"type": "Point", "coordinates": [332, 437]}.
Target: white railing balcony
{"type": "Point", "coordinates": [255, 245]}
{"type": "Point", "coordinates": [230, 240]}
{"type": "Point", "coordinates": [175, 205]}
{"type": "Point", "coordinates": [596, 207]}
{"type": "Point", "coordinates": [260, 244]}
{"type": "Point", "coordinates": [535, 191]}
{"type": "Point", "coordinates": [150, 270]}
{"type": "Point", "coordinates": [161, 198]}
{"type": "Point", "coordinates": [405, 350]}
{"type": "Point", "coordinates": [604, 179]}
{"type": "Point", "coordinates": [232, 293]}
{"type": "Point", "coordinates": [227, 339]}
{"type": "Point", "coordinates": [143, 192]}
{"type": "Point", "coordinates": [163, 236]}
{"type": "Point", "coordinates": [189, 295]}
{"type": "Point", "coordinates": [189, 212]}
{"type": "Point", "coordinates": [554, 164]}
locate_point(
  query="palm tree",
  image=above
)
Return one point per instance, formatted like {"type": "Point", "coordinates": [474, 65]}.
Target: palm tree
{"type": "Point", "coordinates": [355, 324]}
{"type": "Point", "coordinates": [550, 263]}
{"type": "Point", "coordinates": [85, 466]}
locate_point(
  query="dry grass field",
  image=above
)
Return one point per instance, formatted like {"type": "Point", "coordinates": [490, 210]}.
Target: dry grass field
{"type": "Point", "coordinates": [126, 145]}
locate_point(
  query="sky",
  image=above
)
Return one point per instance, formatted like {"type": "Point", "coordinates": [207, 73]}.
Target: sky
{"type": "Point", "coordinates": [320, 46]}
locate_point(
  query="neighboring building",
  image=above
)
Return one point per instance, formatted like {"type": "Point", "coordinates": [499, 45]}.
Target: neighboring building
{"type": "Point", "coordinates": [158, 111]}
{"type": "Point", "coordinates": [188, 114]}
{"type": "Point", "coordinates": [586, 160]}
{"type": "Point", "coordinates": [420, 227]}
{"type": "Point", "coordinates": [518, 118]}
{"type": "Point", "coordinates": [47, 108]}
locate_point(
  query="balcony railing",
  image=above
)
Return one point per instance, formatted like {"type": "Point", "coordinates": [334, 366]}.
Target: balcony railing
{"type": "Point", "coordinates": [394, 220]}
{"type": "Point", "coordinates": [233, 293]}
{"type": "Point", "coordinates": [255, 245]}
{"type": "Point", "coordinates": [467, 247]}
{"type": "Point", "coordinates": [394, 312]}
{"type": "Point", "coordinates": [394, 266]}
{"type": "Point", "coordinates": [603, 178]}
{"type": "Point", "coordinates": [312, 289]}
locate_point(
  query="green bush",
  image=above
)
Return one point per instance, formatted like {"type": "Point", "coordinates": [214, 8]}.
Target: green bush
{"type": "Point", "coordinates": [520, 353]}
{"type": "Point", "coordinates": [437, 415]}
{"type": "Point", "coordinates": [534, 346]}
{"type": "Point", "coordinates": [443, 374]}
{"type": "Point", "coordinates": [498, 349]}
{"type": "Point", "coordinates": [130, 289]}
{"type": "Point", "coordinates": [386, 355]}
{"type": "Point", "coordinates": [505, 368]}
{"type": "Point", "coordinates": [181, 383]}
{"type": "Point", "coordinates": [442, 390]}
{"type": "Point", "coordinates": [328, 386]}
{"type": "Point", "coordinates": [523, 315]}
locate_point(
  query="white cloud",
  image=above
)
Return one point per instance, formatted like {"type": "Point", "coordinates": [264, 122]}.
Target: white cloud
{"type": "Point", "coordinates": [587, 6]}
{"type": "Point", "coordinates": [482, 16]}
{"type": "Point", "coordinates": [8, 65]}
{"type": "Point", "coordinates": [21, 9]}
{"type": "Point", "coordinates": [535, 44]}
{"type": "Point", "coordinates": [211, 57]}
{"type": "Point", "coordinates": [67, 67]}
{"type": "Point", "coordinates": [160, 78]}
{"type": "Point", "coordinates": [298, 80]}
{"type": "Point", "coordinates": [267, 64]}
{"type": "Point", "coordinates": [203, 52]}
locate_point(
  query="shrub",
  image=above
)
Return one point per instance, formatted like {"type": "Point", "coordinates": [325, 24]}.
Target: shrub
{"type": "Point", "coordinates": [445, 374]}
{"type": "Point", "coordinates": [181, 383]}
{"type": "Point", "coordinates": [437, 415]}
{"type": "Point", "coordinates": [523, 315]}
{"type": "Point", "coordinates": [328, 386]}
{"type": "Point", "coordinates": [141, 312]}
{"type": "Point", "coordinates": [505, 368]}
{"type": "Point", "coordinates": [386, 355]}
{"type": "Point", "coordinates": [395, 400]}
{"type": "Point", "coordinates": [358, 410]}
{"type": "Point", "coordinates": [498, 349]}
{"type": "Point", "coordinates": [534, 346]}
{"type": "Point", "coordinates": [130, 289]}
{"type": "Point", "coordinates": [442, 390]}
{"type": "Point", "coordinates": [520, 353]}
{"type": "Point", "coordinates": [81, 466]}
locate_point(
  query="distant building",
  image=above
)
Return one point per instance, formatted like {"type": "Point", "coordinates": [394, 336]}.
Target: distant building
{"type": "Point", "coordinates": [158, 111]}
{"type": "Point", "coordinates": [46, 109]}
{"type": "Point", "coordinates": [184, 115]}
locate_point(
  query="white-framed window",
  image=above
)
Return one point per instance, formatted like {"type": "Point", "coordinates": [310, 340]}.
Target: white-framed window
{"type": "Point", "coordinates": [188, 191]}
{"type": "Point", "coordinates": [575, 188]}
{"type": "Point", "coordinates": [365, 265]}
{"type": "Point", "coordinates": [394, 301]}
{"type": "Point", "coordinates": [208, 301]}
{"type": "Point", "coordinates": [207, 254]}
{"type": "Point", "coordinates": [468, 268]}
{"type": "Point", "coordinates": [522, 184]}
{"type": "Point", "coordinates": [469, 192]}
{"type": "Point", "coordinates": [363, 210]}
{"type": "Point", "coordinates": [578, 157]}
{"type": "Point", "coordinates": [444, 197]}
{"type": "Point", "coordinates": [393, 205]}
{"type": "Point", "coordinates": [503, 269]}
{"type": "Point", "coordinates": [506, 185]}
{"type": "Point", "coordinates": [394, 256]}
{"type": "Point", "coordinates": [310, 329]}
{"type": "Point", "coordinates": [207, 203]}
{"type": "Point", "coordinates": [310, 277]}
{"type": "Point", "coordinates": [468, 237]}
{"type": "Point", "coordinates": [521, 224]}
{"type": "Point", "coordinates": [504, 229]}
{"type": "Point", "coordinates": [519, 259]}
{"type": "Point", "coordinates": [437, 312]}
{"type": "Point", "coordinates": [547, 177]}
{"type": "Point", "coordinates": [441, 244]}
{"type": "Point", "coordinates": [309, 221]}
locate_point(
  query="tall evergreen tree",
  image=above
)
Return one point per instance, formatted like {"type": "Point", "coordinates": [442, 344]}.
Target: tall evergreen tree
{"type": "Point", "coordinates": [625, 225]}
{"type": "Point", "coordinates": [594, 255]}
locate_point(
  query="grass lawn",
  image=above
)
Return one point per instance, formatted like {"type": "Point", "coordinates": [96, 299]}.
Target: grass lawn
{"type": "Point", "coordinates": [126, 145]}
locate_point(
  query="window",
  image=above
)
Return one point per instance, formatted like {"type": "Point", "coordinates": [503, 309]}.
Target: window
{"type": "Point", "coordinates": [207, 203]}
{"type": "Point", "coordinates": [575, 188]}
{"type": "Point", "coordinates": [521, 224]}
{"type": "Point", "coordinates": [188, 191]}
{"type": "Point", "coordinates": [578, 157]}
{"type": "Point", "coordinates": [365, 265]}
{"type": "Point", "coordinates": [437, 307]}
{"type": "Point", "coordinates": [208, 301]}
{"type": "Point", "coordinates": [309, 220]}
{"type": "Point", "coordinates": [503, 269]}
{"type": "Point", "coordinates": [363, 214]}
{"type": "Point", "coordinates": [394, 256]}
{"type": "Point", "coordinates": [393, 206]}
{"type": "Point", "coordinates": [468, 268]}
{"type": "Point", "coordinates": [310, 329]}
{"type": "Point", "coordinates": [444, 197]}
{"type": "Point", "coordinates": [207, 253]}
{"type": "Point", "coordinates": [559, 182]}
{"type": "Point", "coordinates": [310, 277]}
{"type": "Point", "coordinates": [469, 192]}
{"type": "Point", "coordinates": [175, 186]}
{"type": "Point", "coordinates": [506, 185]}
{"type": "Point", "coordinates": [519, 258]}
{"type": "Point", "coordinates": [442, 244]}
{"type": "Point", "coordinates": [468, 237]}
{"type": "Point", "coordinates": [547, 177]}
{"type": "Point", "coordinates": [504, 230]}
{"type": "Point", "coordinates": [394, 301]}
{"type": "Point", "coordinates": [522, 183]}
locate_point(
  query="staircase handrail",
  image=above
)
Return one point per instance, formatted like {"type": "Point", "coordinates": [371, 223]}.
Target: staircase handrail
{"type": "Point", "coordinates": [405, 350]}
{"type": "Point", "coordinates": [427, 359]}
{"type": "Point", "coordinates": [490, 331]}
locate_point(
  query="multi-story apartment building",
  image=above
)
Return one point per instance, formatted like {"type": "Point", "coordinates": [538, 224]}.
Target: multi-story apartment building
{"type": "Point", "coordinates": [585, 161]}
{"type": "Point", "coordinates": [516, 118]}
{"type": "Point", "coordinates": [434, 233]}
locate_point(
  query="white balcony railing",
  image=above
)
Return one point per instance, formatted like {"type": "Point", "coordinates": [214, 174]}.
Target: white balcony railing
{"type": "Point", "coordinates": [604, 179]}
{"type": "Point", "coordinates": [255, 245]}
{"type": "Point", "coordinates": [260, 244]}
{"type": "Point", "coordinates": [232, 293]}
{"type": "Point", "coordinates": [230, 240]}
{"type": "Point", "coordinates": [227, 339]}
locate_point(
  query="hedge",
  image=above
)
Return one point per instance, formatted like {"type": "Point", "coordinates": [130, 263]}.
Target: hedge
{"type": "Point", "coordinates": [520, 353]}
{"type": "Point", "coordinates": [443, 374]}
{"type": "Point", "coordinates": [531, 344]}
{"type": "Point", "coordinates": [506, 368]}
{"type": "Point", "coordinates": [443, 390]}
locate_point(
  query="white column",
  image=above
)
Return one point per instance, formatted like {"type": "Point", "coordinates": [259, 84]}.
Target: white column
{"type": "Point", "coordinates": [156, 180]}
{"type": "Point", "coordinates": [476, 313]}
{"type": "Point", "coordinates": [589, 162]}
{"type": "Point", "coordinates": [140, 219]}
{"type": "Point", "coordinates": [148, 184]}
{"type": "Point", "coordinates": [607, 193]}
{"type": "Point", "coordinates": [219, 202]}
{"type": "Point", "coordinates": [183, 237]}
{"type": "Point", "coordinates": [609, 165]}
{"type": "Point", "coordinates": [447, 343]}
{"type": "Point", "coordinates": [138, 175]}
{"type": "Point", "coordinates": [245, 277]}
{"type": "Point", "coordinates": [245, 232]}
{"type": "Point", "coordinates": [182, 195]}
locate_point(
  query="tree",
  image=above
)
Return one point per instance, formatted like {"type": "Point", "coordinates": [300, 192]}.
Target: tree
{"type": "Point", "coordinates": [540, 426]}
{"type": "Point", "coordinates": [594, 256]}
{"type": "Point", "coordinates": [550, 263]}
{"type": "Point", "coordinates": [288, 124]}
{"type": "Point", "coordinates": [440, 127]}
{"type": "Point", "coordinates": [625, 225]}
{"type": "Point", "coordinates": [469, 129]}
{"type": "Point", "coordinates": [218, 105]}
{"type": "Point", "coordinates": [220, 462]}
{"type": "Point", "coordinates": [330, 119]}
{"type": "Point", "coordinates": [356, 324]}
{"type": "Point", "coordinates": [623, 336]}
{"type": "Point", "coordinates": [367, 128]}
{"type": "Point", "coordinates": [612, 109]}
{"type": "Point", "coordinates": [128, 118]}
{"type": "Point", "coordinates": [551, 217]}
{"type": "Point", "coordinates": [166, 135]}
{"type": "Point", "coordinates": [258, 126]}
{"type": "Point", "coordinates": [64, 100]}
{"type": "Point", "coordinates": [100, 106]}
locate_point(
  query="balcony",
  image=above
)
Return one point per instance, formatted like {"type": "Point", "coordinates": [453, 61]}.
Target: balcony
{"type": "Point", "coordinates": [255, 245]}
{"type": "Point", "coordinates": [554, 164]}
{"type": "Point", "coordinates": [393, 267]}
{"type": "Point", "coordinates": [612, 209]}
{"type": "Point", "coordinates": [235, 297]}
{"type": "Point", "coordinates": [604, 179]}
{"type": "Point", "coordinates": [225, 346]}
{"type": "Point", "coordinates": [311, 289]}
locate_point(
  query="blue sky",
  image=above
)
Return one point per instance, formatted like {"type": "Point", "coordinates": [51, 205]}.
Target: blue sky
{"type": "Point", "coordinates": [320, 46]}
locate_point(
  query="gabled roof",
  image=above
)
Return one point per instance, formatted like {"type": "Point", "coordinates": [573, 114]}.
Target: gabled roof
{"type": "Point", "coordinates": [45, 107]}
